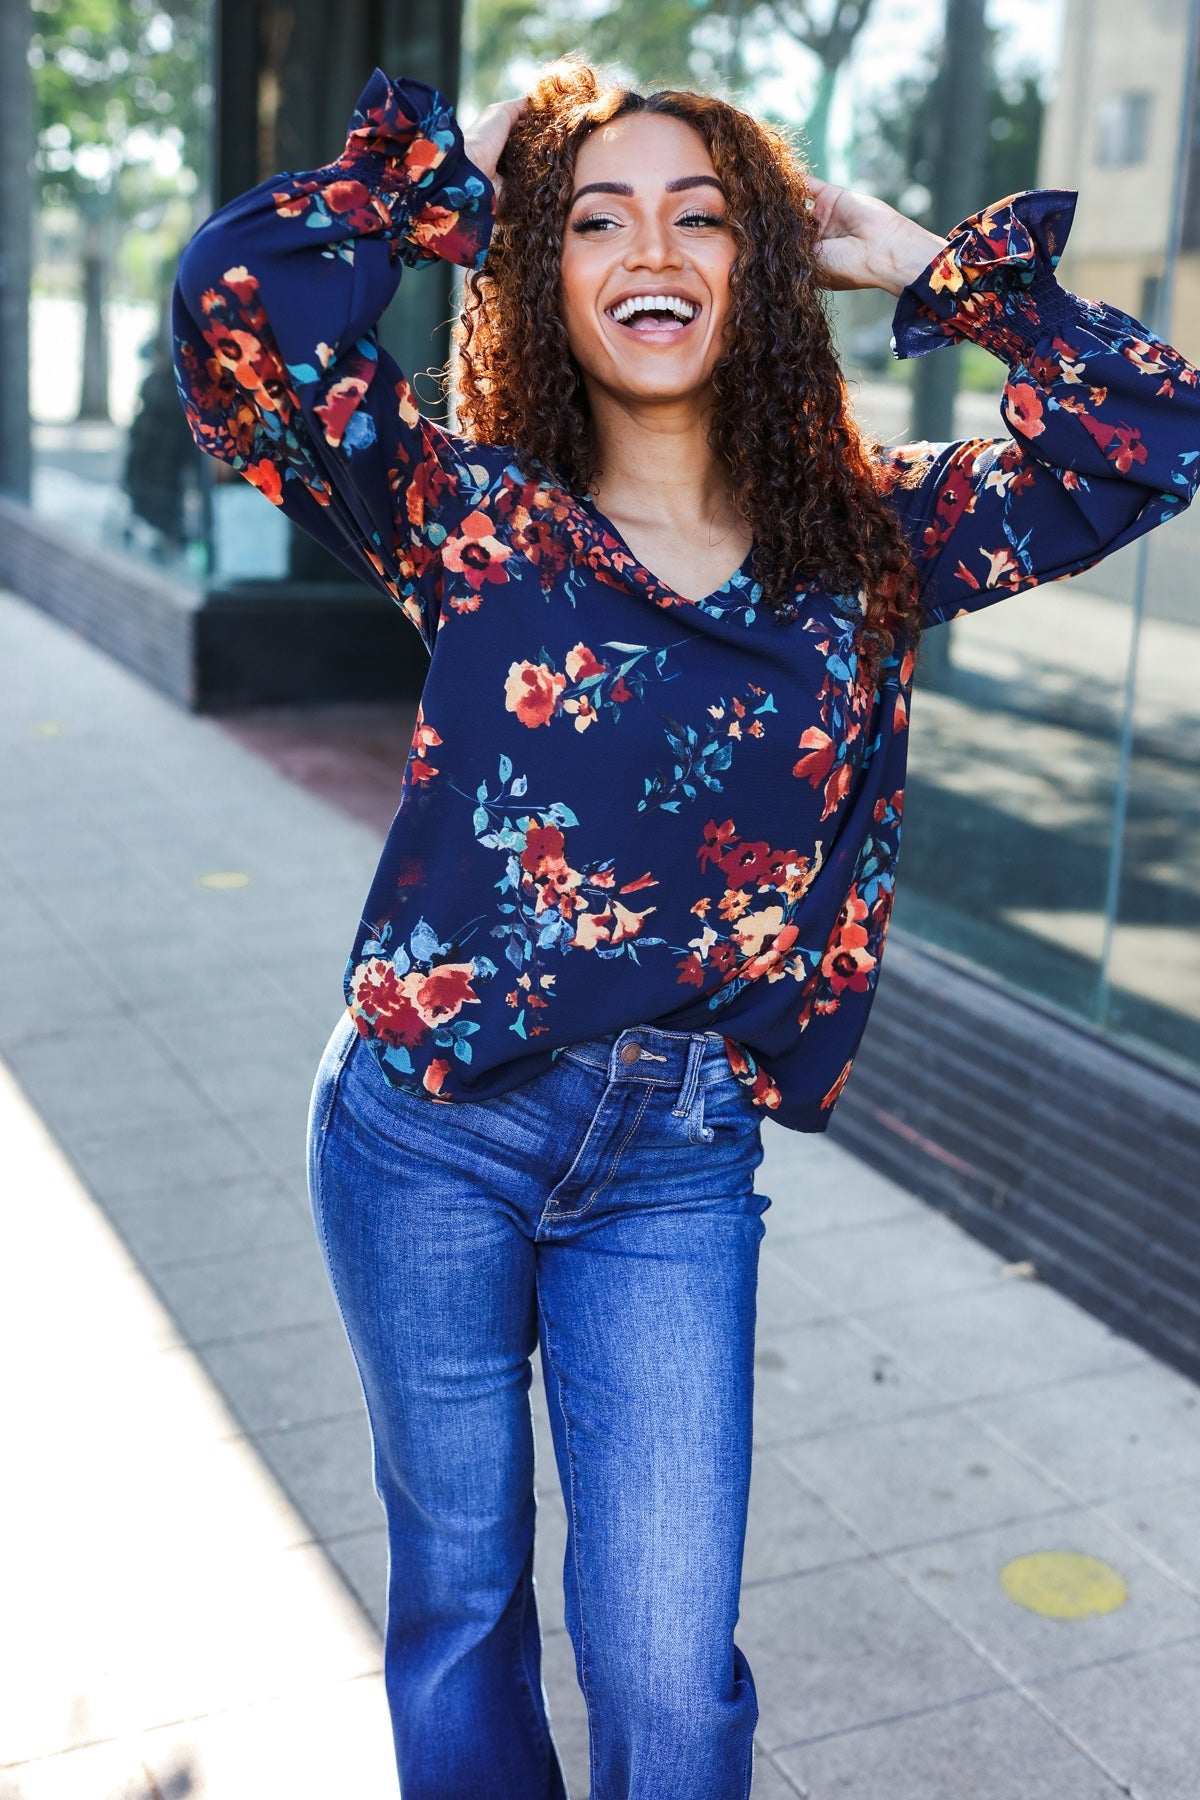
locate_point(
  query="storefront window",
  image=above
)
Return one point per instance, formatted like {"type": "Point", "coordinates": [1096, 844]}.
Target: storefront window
{"type": "Point", "coordinates": [123, 108]}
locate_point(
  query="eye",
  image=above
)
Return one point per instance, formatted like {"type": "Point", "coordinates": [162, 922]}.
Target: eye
{"type": "Point", "coordinates": [702, 218]}
{"type": "Point", "coordinates": [593, 222]}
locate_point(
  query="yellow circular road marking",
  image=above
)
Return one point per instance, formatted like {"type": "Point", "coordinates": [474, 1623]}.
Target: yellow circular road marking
{"type": "Point", "coordinates": [225, 879]}
{"type": "Point", "coordinates": [1063, 1584]}
{"type": "Point", "coordinates": [46, 728]}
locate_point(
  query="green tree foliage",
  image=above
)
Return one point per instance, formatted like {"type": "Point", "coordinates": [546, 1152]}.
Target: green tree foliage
{"type": "Point", "coordinates": [894, 145]}
{"type": "Point", "coordinates": [115, 83]}
{"type": "Point", "coordinates": [662, 42]}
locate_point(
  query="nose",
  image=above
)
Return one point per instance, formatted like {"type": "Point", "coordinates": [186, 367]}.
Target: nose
{"type": "Point", "coordinates": [651, 247]}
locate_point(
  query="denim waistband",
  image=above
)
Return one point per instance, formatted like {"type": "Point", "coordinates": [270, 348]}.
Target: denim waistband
{"type": "Point", "coordinates": [648, 1056]}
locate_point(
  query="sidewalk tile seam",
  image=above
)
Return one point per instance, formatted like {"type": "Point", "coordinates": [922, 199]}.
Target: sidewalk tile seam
{"type": "Point", "coordinates": [877, 1554]}
{"type": "Point", "coordinates": [271, 1432]}
{"type": "Point", "coordinates": [915, 1712]}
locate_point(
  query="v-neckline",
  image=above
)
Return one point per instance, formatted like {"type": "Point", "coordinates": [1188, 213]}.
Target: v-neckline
{"type": "Point", "coordinates": [648, 580]}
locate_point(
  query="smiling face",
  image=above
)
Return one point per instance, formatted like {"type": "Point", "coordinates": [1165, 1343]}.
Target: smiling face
{"type": "Point", "coordinates": [646, 260]}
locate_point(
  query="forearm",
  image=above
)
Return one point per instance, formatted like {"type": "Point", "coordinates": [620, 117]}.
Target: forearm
{"type": "Point", "coordinates": [904, 256]}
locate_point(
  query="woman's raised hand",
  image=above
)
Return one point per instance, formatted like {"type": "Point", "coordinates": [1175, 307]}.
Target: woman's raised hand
{"type": "Point", "coordinates": [489, 133]}
{"type": "Point", "coordinates": [865, 242]}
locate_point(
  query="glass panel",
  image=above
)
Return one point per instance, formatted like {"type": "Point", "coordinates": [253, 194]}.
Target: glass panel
{"type": "Point", "coordinates": [1154, 972]}
{"type": "Point", "coordinates": [1013, 802]}
{"type": "Point", "coordinates": [123, 115]}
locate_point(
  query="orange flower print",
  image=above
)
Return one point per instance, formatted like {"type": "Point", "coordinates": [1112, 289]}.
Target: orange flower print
{"type": "Point", "coordinates": [476, 552]}
{"type": "Point", "coordinates": [848, 961]}
{"type": "Point", "coordinates": [424, 739]}
{"type": "Point", "coordinates": [1023, 406]}
{"type": "Point", "coordinates": [580, 663]}
{"type": "Point", "coordinates": [435, 1075]}
{"type": "Point", "coordinates": [267, 478]}
{"type": "Point", "coordinates": [443, 993]}
{"type": "Point", "coordinates": [837, 1087]}
{"type": "Point", "coordinates": [532, 692]}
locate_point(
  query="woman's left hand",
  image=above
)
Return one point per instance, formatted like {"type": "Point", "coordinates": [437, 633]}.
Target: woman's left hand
{"type": "Point", "coordinates": [865, 242]}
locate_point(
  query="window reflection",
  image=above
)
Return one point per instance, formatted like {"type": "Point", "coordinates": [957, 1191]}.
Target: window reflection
{"type": "Point", "coordinates": [123, 120]}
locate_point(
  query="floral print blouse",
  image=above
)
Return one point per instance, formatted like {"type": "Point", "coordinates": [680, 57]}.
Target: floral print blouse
{"type": "Point", "coordinates": [622, 806]}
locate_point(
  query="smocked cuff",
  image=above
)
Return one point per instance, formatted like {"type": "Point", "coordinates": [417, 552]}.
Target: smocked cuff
{"type": "Point", "coordinates": [993, 281]}
{"type": "Point", "coordinates": [405, 146]}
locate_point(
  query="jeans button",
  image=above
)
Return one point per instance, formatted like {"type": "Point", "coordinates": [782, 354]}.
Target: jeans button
{"type": "Point", "coordinates": [630, 1053]}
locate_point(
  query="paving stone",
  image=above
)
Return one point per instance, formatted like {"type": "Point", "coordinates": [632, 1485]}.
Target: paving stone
{"type": "Point", "coordinates": [847, 1646]}
{"type": "Point", "coordinates": [826, 1376]}
{"type": "Point", "coordinates": [789, 1529]}
{"type": "Point", "coordinates": [129, 1159]}
{"type": "Point", "coordinates": [82, 1083]}
{"type": "Point", "coordinates": [785, 1298]}
{"type": "Point", "coordinates": [770, 1782]}
{"type": "Point", "coordinates": [277, 1380]}
{"type": "Point", "coordinates": [997, 1748]}
{"type": "Point", "coordinates": [235, 1296]}
{"type": "Point", "coordinates": [961, 1577]}
{"type": "Point", "coordinates": [981, 1343]}
{"type": "Point", "coordinates": [568, 1714]}
{"type": "Point", "coordinates": [178, 1222]}
{"type": "Point", "coordinates": [326, 1471]}
{"type": "Point", "coordinates": [1142, 1428]}
{"type": "Point", "coordinates": [361, 1558]}
{"type": "Point", "coordinates": [818, 1186]}
{"type": "Point", "coordinates": [911, 1480]}
{"type": "Point", "coordinates": [1166, 1522]}
{"type": "Point", "coordinates": [891, 1262]}
{"type": "Point", "coordinates": [1140, 1714]}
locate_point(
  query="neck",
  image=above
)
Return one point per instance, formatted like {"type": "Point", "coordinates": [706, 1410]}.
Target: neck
{"type": "Point", "coordinates": [656, 464]}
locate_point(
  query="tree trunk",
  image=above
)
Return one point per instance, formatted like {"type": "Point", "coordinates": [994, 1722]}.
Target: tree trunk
{"type": "Point", "coordinates": [958, 122]}
{"type": "Point", "coordinates": [93, 381]}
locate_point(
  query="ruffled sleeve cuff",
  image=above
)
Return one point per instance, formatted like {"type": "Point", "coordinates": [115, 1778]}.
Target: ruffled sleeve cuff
{"type": "Point", "coordinates": [993, 281]}
{"type": "Point", "coordinates": [405, 149]}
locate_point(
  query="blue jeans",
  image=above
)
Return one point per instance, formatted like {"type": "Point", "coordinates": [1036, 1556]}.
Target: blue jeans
{"type": "Point", "coordinates": [607, 1209]}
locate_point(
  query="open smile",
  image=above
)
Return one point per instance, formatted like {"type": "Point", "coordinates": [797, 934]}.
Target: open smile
{"type": "Point", "coordinates": [655, 316]}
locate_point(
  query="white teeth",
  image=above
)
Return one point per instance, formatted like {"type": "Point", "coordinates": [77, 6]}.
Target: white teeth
{"type": "Point", "coordinates": [685, 310]}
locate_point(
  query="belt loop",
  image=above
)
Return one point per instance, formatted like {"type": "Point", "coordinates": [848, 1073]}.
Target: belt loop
{"type": "Point", "coordinates": [691, 1076]}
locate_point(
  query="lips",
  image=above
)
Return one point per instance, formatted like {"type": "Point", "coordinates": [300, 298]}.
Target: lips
{"type": "Point", "coordinates": [655, 315]}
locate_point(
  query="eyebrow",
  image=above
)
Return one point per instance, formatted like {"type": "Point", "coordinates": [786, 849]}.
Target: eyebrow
{"type": "Point", "coordinates": [625, 188]}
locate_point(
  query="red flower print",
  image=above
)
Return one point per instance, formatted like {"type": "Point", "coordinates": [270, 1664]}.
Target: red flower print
{"type": "Point", "coordinates": [339, 405]}
{"type": "Point", "coordinates": [379, 992]}
{"type": "Point", "coordinates": [746, 863]}
{"type": "Point", "coordinates": [619, 692]}
{"type": "Point", "coordinates": [474, 551]}
{"type": "Point", "coordinates": [714, 837]}
{"type": "Point", "coordinates": [444, 992]}
{"type": "Point", "coordinates": [544, 844]}
{"type": "Point", "coordinates": [532, 692]}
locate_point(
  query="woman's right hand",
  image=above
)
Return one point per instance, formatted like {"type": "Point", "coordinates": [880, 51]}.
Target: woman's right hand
{"type": "Point", "coordinates": [489, 133]}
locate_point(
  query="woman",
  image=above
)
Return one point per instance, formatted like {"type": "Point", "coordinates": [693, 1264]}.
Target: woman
{"type": "Point", "coordinates": [635, 896]}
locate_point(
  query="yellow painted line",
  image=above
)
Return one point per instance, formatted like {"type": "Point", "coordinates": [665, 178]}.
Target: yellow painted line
{"type": "Point", "coordinates": [224, 880]}
{"type": "Point", "coordinates": [1063, 1584]}
{"type": "Point", "coordinates": [46, 728]}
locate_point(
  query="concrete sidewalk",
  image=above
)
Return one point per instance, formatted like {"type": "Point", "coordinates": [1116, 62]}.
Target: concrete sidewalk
{"type": "Point", "coordinates": [974, 1562]}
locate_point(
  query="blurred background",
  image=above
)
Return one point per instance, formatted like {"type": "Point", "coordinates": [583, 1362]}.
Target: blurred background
{"type": "Point", "coordinates": [1053, 831]}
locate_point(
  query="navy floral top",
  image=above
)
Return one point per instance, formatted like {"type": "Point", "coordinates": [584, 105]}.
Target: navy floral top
{"type": "Point", "coordinates": [622, 806]}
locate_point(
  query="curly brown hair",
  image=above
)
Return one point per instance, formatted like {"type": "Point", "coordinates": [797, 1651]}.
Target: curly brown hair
{"type": "Point", "coordinates": [803, 476]}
